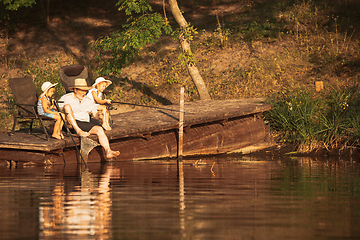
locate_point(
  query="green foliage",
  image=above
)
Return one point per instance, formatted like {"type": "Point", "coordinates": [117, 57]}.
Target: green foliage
{"type": "Point", "coordinates": [186, 57]}
{"type": "Point", "coordinates": [191, 91]}
{"type": "Point", "coordinates": [185, 33]}
{"type": "Point", "coordinates": [302, 18]}
{"type": "Point", "coordinates": [343, 113]}
{"type": "Point", "coordinates": [173, 74]}
{"type": "Point", "coordinates": [311, 120]}
{"type": "Point", "coordinates": [126, 45]}
{"type": "Point", "coordinates": [14, 5]}
{"type": "Point", "coordinates": [257, 31]}
{"type": "Point", "coordinates": [294, 115]}
{"type": "Point", "coordinates": [48, 70]}
{"type": "Point", "coordinates": [136, 6]}
{"type": "Point", "coordinates": [8, 107]}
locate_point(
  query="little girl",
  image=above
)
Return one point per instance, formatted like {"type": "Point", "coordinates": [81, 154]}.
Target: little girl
{"type": "Point", "coordinates": [96, 94]}
{"type": "Point", "coordinates": [46, 108]}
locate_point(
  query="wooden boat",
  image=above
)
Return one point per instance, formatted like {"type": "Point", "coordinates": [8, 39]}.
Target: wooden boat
{"type": "Point", "coordinates": [210, 127]}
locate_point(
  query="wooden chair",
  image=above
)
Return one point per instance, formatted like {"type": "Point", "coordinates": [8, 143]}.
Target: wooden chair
{"type": "Point", "coordinates": [68, 74]}
{"type": "Point", "coordinates": [24, 92]}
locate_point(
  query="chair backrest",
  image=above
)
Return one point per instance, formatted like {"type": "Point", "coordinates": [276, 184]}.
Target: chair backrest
{"type": "Point", "coordinates": [68, 74]}
{"type": "Point", "coordinates": [24, 92]}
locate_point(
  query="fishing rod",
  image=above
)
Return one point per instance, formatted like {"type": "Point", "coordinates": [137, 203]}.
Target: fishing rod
{"type": "Point", "coordinates": [68, 131]}
{"type": "Point", "coordinates": [140, 105]}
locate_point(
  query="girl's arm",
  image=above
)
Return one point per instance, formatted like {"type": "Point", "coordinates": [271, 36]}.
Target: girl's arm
{"type": "Point", "coordinates": [99, 100]}
{"type": "Point", "coordinates": [52, 105]}
{"type": "Point", "coordinates": [45, 106]}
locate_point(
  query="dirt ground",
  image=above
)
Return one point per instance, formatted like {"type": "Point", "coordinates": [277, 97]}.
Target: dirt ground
{"type": "Point", "coordinates": [73, 26]}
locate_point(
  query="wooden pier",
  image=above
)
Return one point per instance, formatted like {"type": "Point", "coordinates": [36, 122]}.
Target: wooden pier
{"type": "Point", "coordinates": [210, 127]}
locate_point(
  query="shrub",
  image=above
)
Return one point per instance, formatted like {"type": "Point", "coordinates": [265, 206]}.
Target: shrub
{"type": "Point", "coordinates": [312, 120]}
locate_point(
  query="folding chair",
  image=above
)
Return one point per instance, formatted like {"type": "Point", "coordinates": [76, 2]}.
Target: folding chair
{"type": "Point", "coordinates": [68, 74]}
{"type": "Point", "coordinates": [24, 92]}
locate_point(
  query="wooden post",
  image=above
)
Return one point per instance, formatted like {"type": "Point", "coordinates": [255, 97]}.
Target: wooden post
{"type": "Point", "coordinates": [181, 123]}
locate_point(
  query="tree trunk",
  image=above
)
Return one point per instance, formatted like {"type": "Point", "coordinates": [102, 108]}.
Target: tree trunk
{"type": "Point", "coordinates": [193, 71]}
{"type": "Point", "coordinates": [46, 11]}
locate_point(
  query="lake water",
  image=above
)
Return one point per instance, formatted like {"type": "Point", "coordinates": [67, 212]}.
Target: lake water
{"type": "Point", "coordinates": [228, 197]}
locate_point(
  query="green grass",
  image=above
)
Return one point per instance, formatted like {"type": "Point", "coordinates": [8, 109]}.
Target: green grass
{"type": "Point", "coordinates": [313, 120]}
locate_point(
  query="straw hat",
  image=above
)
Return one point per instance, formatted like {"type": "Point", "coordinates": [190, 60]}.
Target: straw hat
{"type": "Point", "coordinates": [46, 86]}
{"type": "Point", "coordinates": [100, 80]}
{"type": "Point", "coordinates": [80, 83]}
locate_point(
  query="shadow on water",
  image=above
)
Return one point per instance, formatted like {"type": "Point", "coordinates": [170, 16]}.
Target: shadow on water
{"type": "Point", "coordinates": [225, 197]}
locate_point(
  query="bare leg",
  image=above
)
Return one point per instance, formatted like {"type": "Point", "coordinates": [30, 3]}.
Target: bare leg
{"type": "Point", "coordinates": [72, 121]}
{"type": "Point", "coordinates": [104, 141]}
{"type": "Point", "coordinates": [61, 125]}
{"type": "Point", "coordinates": [104, 117]}
{"type": "Point", "coordinates": [57, 127]}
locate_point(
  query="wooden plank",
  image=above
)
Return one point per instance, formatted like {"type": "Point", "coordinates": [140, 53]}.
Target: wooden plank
{"type": "Point", "coordinates": [22, 140]}
{"type": "Point", "coordinates": [22, 155]}
{"type": "Point", "coordinates": [25, 141]}
{"type": "Point", "coordinates": [160, 120]}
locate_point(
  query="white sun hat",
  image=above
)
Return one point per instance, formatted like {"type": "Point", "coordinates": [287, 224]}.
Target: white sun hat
{"type": "Point", "coordinates": [100, 80]}
{"type": "Point", "coordinates": [45, 87]}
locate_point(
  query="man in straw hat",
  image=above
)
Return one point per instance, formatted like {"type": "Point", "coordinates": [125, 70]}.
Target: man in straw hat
{"type": "Point", "coordinates": [78, 108]}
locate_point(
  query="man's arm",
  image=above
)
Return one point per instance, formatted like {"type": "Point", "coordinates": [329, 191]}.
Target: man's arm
{"type": "Point", "coordinates": [91, 107]}
{"type": "Point", "coordinates": [61, 102]}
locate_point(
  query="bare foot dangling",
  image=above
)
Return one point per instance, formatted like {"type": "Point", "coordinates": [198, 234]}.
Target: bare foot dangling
{"type": "Point", "coordinates": [112, 154]}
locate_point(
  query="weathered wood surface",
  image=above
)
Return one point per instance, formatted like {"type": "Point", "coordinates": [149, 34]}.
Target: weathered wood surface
{"type": "Point", "coordinates": [146, 133]}
{"type": "Point", "coordinates": [200, 112]}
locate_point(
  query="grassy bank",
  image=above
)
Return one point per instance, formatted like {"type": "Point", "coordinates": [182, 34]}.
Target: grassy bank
{"type": "Point", "coordinates": [271, 49]}
{"type": "Point", "coordinates": [313, 121]}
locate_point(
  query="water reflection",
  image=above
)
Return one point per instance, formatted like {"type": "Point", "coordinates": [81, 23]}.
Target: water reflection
{"type": "Point", "coordinates": [232, 197]}
{"type": "Point", "coordinates": [85, 211]}
{"type": "Point", "coordinates": [181, 197]}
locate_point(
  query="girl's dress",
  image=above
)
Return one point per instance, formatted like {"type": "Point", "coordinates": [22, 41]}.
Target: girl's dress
{"type": "Point", "coordinates": [41, 109]}
{"type": "Point", "coordinates": [99, 94]}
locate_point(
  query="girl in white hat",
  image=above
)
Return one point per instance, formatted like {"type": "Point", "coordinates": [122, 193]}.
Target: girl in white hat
{"type": "Point", "coordinates": [96, 94]}
{"type": "Point", "coordinates": [46, 108]}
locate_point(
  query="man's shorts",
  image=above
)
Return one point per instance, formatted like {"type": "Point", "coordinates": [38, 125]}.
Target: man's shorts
{"type": "Point", "coordinates": [87, 126]}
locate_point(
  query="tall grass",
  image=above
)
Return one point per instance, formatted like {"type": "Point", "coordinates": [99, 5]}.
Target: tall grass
{"type": "Point", "coordinates": [312, 120]}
